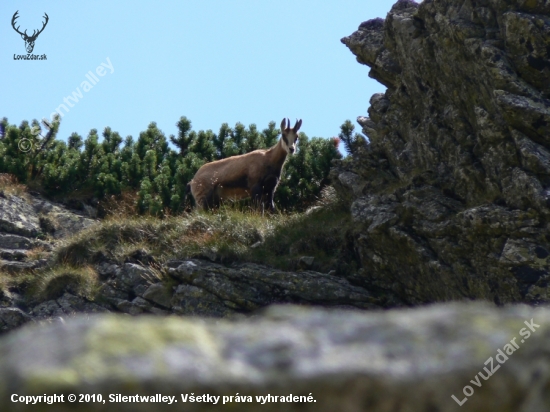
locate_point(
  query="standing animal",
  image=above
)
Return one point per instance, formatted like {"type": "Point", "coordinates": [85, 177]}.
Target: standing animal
{"type": "Point", "coordinates": [255, 174]}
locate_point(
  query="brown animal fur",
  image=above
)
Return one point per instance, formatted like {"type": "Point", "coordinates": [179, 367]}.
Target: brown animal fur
{"type": "Point", "coordinates": [255, 174]}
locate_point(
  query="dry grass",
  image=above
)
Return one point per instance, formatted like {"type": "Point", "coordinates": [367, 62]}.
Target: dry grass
{"type": "Point", "coordinates": [19, 282]}
{"type": "Point", "coordinates": [329, 198]}
{"type": "Point", "coordinates": [6, 282]}
{"type": "Point", "coordinates": [9, 185]}
{"type": "Point", "coordinates": [228, 233]}
{"type": "Point", "coordinates": [158, 274]}
{"type": "Point", "coordinates": [119, 206]}
{"type": "Point", "coordinates": [38, 252]}
{"type": "Point", "coordinates": [51, 284]}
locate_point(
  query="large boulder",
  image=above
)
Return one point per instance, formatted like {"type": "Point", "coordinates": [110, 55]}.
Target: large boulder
{"type": "Point", "coordinates": [426, 359]}
{"type": "Point", "coordinates": [451, 196]}
{"type": "Point", "coordinates": [17, 216]}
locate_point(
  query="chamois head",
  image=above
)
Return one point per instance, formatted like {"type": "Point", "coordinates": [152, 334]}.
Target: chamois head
{"type": "Point", "coordinates": [290, 136]}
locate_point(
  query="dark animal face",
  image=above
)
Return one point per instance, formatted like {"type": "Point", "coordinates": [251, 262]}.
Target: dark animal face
{"type": "Point", "coordinates": [290, 136]}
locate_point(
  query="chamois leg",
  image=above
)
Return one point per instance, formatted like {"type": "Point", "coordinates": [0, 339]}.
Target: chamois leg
{"type": "Point", "coordinates": [257, 194]}
{"type": "Point", "coordinates": [202, 203]}
{"type": "Point", "coordinates": [270, 184]}
{"type": "Point", "coordinates": [210, 201]}
{"type": "Point", "coordinates": [270, 203]}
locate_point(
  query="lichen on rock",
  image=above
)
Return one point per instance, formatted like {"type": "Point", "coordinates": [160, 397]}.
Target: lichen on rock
{"type": "Point", "coordinates": [456, 169]}
{"type": "Point", "coordinates": [344, 359]}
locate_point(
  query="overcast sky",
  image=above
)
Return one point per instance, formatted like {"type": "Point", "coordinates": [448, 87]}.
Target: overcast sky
{"type": "Point", "coordinates": [124, 64]}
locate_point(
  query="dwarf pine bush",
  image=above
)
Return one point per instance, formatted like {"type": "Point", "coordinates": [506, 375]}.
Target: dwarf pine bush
{"type": "Point", "coordinates": [108, 165]}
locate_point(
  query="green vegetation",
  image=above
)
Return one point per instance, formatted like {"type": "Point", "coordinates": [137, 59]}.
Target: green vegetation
{"type": "Point", "coordinates": [140, 185]}
{"type": "Point", "coordinates": [225, 236]}
{"type": "Point", "coordinates": [148, 169]}
{"type": "Point", "coordinates": [352, 141]}
{"type": "Point", "coordinates": [51, 284]}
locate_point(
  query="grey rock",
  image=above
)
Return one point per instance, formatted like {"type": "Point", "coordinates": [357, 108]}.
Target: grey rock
{"type": "Point", "coordinates": [196, 301]}
{"type": "Point", "coordinates": [139, 305]}
{"type": "Point", "coordinates": [18, 267]}
{"type": "Point", "coordinates": [8, 241]}
{"type": "Point", "coordinates": [159, 294]}
{"type": "Point", "coordinates": [306, 262]}
{"type": "Point", "coordinates": [106, 269]}
{"type": "Point", "coordinates": [11, 318]}
{"type": "Point", "coordinates": [141, 289]}
{"type": "Point", "coordinates": [250, 286]}
{"type": "Point", "coordinates": [47, 309]}
{"type": "Point", "coordinates": [133, 275]}
{"type": "Point", "coordinates": [91, 212]}
{"type": "Point", "coordinates": [113, 289]}
{"type": "Point", "coordinates": [186, 270]}
{"type": "Point", "coordinates": [65, 224]}
{"type": "Point", "coordinates": [344, 359]}
{"type": "Point", "coordinates": [60, 221]}
{"type": "Point", "coordinates": [451, 196]}
{"type": "Point", "coordinates": [6, 297]}
{"type": "Point", "coordinates": [67, 305]}
{"type": "Point", "coordinates": [202, 288]}
{"type": "Point", "coordinates": [352, 181]}
{"type": "Point", "coordinates": [18, 217]}
{"type": "Point", "coordinates": [124, 306]}
{"type": "Point", "coordinates": [73, 305]}
{"type": "Point", "coordinates": [13, 254]}
{"type": "Point", "coordinates": [21, 220]}
{"type": "Point", "coordinates": [160, 312]}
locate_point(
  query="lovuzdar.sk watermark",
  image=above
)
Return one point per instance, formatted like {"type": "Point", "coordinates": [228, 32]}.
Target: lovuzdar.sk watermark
{"type": "Point", "coordinates": [501, 357]}
{"type": "Point", "coordinates": [30, 57]}
{"type": "Point", "coordinates": [29, 39]}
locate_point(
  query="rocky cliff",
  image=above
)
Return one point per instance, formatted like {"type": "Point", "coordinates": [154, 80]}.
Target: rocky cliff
{"type": "Point", "coordinates": [451, 195]}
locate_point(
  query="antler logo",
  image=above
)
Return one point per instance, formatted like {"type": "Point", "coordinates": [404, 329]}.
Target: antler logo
{"type": "Point", "coordinates": [29, 40]}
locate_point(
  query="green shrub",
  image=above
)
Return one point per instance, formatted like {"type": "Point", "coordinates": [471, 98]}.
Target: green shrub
{"type": "Point", "coordinates": [149, 167]}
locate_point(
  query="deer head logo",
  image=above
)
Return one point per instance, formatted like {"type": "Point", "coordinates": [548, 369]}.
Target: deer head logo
{"type": "Point", "coordinates": [29, 40]}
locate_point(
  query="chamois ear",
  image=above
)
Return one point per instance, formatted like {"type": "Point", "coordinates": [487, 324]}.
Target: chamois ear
{"type": "Point", "coordinates": [297, 126]}
{"type": "Point", "coordinates": [283, 125]}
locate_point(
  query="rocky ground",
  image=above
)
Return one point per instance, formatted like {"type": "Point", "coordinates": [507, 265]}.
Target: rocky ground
{"type": "Point", "coordinates": [26, 220]}
{"type": "Point", "coordinates": [197, 287]}
{"type": "Point", "coordinates": [456, 177]}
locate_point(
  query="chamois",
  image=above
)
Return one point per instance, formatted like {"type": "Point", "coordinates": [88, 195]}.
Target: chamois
{"type": "Point", "coordinates": [255, 174]}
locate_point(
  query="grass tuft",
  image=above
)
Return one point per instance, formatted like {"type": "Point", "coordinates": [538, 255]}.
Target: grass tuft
{"type": "Point", "coordinates": [38, 252]}
{"type": "Point", "coordinates": [227, 232]}
{"type": "Point", "coordinates": [80, 281]}
{"type": "Point", "coordinates": [9, 185]}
